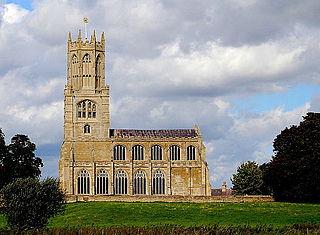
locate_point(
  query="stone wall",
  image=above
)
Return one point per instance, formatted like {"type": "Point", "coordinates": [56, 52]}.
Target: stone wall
{"type": "Point", "coordinates": [153, 198]}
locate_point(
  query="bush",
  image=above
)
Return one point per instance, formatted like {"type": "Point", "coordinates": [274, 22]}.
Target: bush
{"type": "Point", "coordinates": [29, 203]}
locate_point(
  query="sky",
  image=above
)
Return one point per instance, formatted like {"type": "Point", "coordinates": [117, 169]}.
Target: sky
{"type": "Point", "coordinates": [243, 70]}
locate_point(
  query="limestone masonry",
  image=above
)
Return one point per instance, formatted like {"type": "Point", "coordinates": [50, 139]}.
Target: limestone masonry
{"type": "Point", "coordinates": [97, 160]}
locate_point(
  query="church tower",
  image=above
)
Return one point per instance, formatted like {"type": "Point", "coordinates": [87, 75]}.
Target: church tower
{"type": "Point", "coordinates": [86, 95]}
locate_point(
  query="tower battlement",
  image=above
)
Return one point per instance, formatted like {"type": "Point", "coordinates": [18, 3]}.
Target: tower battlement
{"type": "Point", "coordinates": [83, 42]}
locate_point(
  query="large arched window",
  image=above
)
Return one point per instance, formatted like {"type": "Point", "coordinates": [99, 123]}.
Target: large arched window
{"type": "Point", "coordinates": [83, 182]}
{"type": "Point", "coordinates": [86, 109]}
{"type": "Point", "coordinates": [119, 152]}
{"type": "Point", "coordinates": [139, 183]}
{"type": "Point", "coordinates": [86, 65]}
{"type": "Point", "coordinates": [156, 152]}
{"type": "Point", "coordinates": [121, 184]}
{"type": "Point", "coordinates": [102, 182]}
{"type": "Point", "coordinates": [191, 153]}
{"type": "Point", "coordinates": [137, 152]}
{"type": "Point", "coordinates": [174, 152]}
{"type": "Point", "coordinates": [158, 183]}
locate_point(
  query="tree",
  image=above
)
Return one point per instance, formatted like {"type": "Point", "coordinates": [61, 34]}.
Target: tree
{"type": "Point", "coordinates": [18, 159]}
{"type": "Point", "coordinates": [3, 154]}
{"type": "Point", "coordinates": [248, 179]}
{"type": "Point", "coordinates": [293, 173]}
{"type": "Point", "coordinates": [29, 203]}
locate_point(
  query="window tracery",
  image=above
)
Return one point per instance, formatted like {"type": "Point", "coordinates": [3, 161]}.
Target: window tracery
{"type": "Point", "coordinates": [121, 183]}
{"type": "Point", "coordinates": [139, 184]}
{"type": "Point", "coordinates": [158, 183]}
{"type": "Point", "coordinates": [83, 182]}
{"type": "Point", "coordinates": [86, 109]}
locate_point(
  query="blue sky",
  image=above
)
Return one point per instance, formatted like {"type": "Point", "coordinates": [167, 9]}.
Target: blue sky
{"type": "Point", "coordinates": [242, 70]}
{"type": "Point", "coordinates": [27, 4]}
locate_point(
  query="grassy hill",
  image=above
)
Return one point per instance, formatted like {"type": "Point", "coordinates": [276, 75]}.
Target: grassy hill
{"type": "Point", "coordinates": [107, 214]}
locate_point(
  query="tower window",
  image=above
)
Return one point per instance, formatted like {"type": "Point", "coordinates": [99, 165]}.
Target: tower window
{"type": "Point", "coordinates": [86, 109]}
{"type": "Point", "coordinates": [86, 129]}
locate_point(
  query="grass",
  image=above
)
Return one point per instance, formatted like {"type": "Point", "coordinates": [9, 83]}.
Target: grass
{"type": "Point", "coordinates": [119, 214]}
{"type": "Point", "coordinates": [107, 214]}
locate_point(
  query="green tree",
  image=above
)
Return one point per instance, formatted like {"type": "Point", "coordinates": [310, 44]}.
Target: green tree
{"type": "Point", "coordinates": [29, 203]}
{"type": "Point", "coordinates": [293, 173]}
{"type": "Point", "coordinates": [18, 159]}
{"type": "Point", "coordinates": [3, 155]}
{"type": "Point", "coordinates": [248, 179]}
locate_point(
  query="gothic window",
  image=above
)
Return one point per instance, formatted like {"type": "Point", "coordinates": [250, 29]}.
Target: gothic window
{"type": "Point", "coordinates": [119, 152]}
{"type": "Point", "coordinates": [121, 183]}
{"type": "Point", "coordinates": [137, 152]}
{"type": "Point", "coordinates": [191, 153]}
{"type": "Point", "coordinates": [174, 152]}
{"type": "Point", "coordinates": [98, 70]}
{"type": "Point", "coordinates": [156, 152]}
{"type": "Point", "coordinates": [158, 183]}
{"type": "Point", "coordinates": [86, 65]}
{"type": "Point", "coordinates": [86, 109]}
{"type": "Point", "coordinates": [74, 66]}
{"type": "Point", "coordinates": [83, 182]}
{"type": "Point", "coordinates": [86, 129]}
{"type": "Point", "coordinates": [139, 183]}
{"type": "Point", "coordinates": [102, 182]}
{"type": "Point", "coordinates": [94, 111]}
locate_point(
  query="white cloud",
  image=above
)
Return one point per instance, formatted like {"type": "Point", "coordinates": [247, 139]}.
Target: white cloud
{"type": "Point", "coordinates": [12, 13]}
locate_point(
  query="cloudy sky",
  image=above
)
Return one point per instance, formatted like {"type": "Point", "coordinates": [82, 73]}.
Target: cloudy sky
{"type": "Point", "coordinates": [242, 70]}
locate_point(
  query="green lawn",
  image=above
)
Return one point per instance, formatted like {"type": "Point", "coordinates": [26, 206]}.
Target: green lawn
{"type": "Point", "coordinates": [106, 214]}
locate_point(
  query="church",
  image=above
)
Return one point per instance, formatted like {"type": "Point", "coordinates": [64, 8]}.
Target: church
{"type": "Point", "coordinates": [97, 160]}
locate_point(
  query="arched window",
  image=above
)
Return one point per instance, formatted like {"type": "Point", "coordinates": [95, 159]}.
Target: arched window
{"type": "Point", "coordinates": [174, 152]}
{"type": "Point", "coordinates": [86, 109]}
{"type": "Point", "coordinates": [83, 182]}
{"type": "Point", "coordinates": [139, 183]}
{"type": "Point", "coordinates": [121, 184]}
{"type": "Point", "coordinates": [137, 152]}
{"type": "Point", "coordinates": [94, 111]}
{"type": "Point", "coordinates": [98, 71]}
{"type": "Point", "coordinates": [156, 152]}
{"type": "Point", "coordinates": [86, 129]}
{"type": "Point", "coordinates": [191, 153]}
{"type": "Point", "coordinates": [102, 182]}
{"type": "Point", "coordinates": [158, 183]}
{"type": "Point", "coordinates": [86, 65]}
{"type": "Point", "coordinates": [74, 66]}
{"type": "Point", "coordinates": [119, 152]}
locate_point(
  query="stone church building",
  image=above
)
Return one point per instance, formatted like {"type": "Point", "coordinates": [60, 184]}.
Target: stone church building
{"type": "Point", "coordinates": [97, 160]}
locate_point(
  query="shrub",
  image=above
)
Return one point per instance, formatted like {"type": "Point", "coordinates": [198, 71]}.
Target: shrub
{"type": "Point", "coordinates": [29, 203]}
